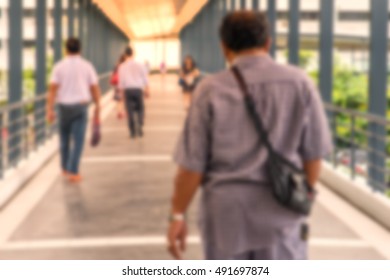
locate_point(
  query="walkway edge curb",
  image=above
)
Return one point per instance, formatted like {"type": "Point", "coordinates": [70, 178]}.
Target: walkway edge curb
{"type": "Point", "coordinates": [19, 177]}
{"type": "Point", "coordinates": [372, 203]}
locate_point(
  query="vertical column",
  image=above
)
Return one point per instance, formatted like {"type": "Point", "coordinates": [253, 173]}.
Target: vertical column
{"type": "Point", "coordinates": [293, 35]}
{"type": "Point", "coordinates": [71, 18]}
{"type": "Point", "coordinates": [232, 5]}
{"type": "Point", "coordinates": [191, 39]}
{"type": "Point", "coordinates": [15, 90]}
{"type": "Point", "coordinates": [272, 23]}
{"type": "Point", "coordinates": [242, 4]}
{"type": "Point", "coordinates": [217, 13]}
{"type": "Point", "coordinates": [57, 30]}
{"type": "Point", "coordinates": [97, 47]}
{"type": "Point", "coordinates": [377, 92]}
{"type": "Point", "coordinates": [196, 42]}
{"type": "Point", "coordinates": [90, 29]}
{"type": "Point", "coordinates": [107, 49]}
{"type": "Point", "coordinates": [208, 54]}
{"type": "Point", "coordinates": [184, 42]}
{"type": "Point", "coordinates": [40, 73]}
{"type": "Point", "coordinates": [81, 16]}
{"type": "Point", "coordinates": [256, 5]}
{"type": "Point", "coordinates": [326, 49]}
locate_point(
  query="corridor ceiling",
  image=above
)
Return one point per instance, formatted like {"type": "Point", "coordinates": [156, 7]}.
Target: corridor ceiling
{"type": "Point", "coordinates": [149, 19]}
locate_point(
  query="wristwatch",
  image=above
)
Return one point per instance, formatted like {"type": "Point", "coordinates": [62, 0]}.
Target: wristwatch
{"type": "Point", "coordinates": [177, 217]}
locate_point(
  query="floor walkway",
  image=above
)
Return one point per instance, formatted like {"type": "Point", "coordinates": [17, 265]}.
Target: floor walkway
{"type": "Point", "coordinates": [120, 210]}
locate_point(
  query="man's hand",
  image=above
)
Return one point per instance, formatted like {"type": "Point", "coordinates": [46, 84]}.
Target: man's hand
{"type": "Point", "coordinates": [96, 115]}
{"type": "Point", "coordinates": [50, 116]}
{"type": "Point", "coordinates": [177, 236]}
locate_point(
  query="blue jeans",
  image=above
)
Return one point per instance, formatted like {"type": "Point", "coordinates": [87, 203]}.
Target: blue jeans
{"type": "Point", "coordinates": [134, 102]}
{"type": "Point", "coordinates": [72, 126]}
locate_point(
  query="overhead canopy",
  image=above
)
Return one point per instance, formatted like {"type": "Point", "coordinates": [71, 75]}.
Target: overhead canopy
{"type": "Point", "coordinates": [143, 19]}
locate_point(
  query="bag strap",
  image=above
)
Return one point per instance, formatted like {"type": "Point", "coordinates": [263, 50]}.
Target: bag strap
{"type": "Point", "coordinates": [257, 121]}
{"type": "Point", "coordinates": [250, 105]}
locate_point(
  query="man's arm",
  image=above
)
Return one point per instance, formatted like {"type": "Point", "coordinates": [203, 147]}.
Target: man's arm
{"type": "Point", "coordinates": [145, 77]}
{"type": "Point", "coordinates": [312, 170]}
{"type": "Point", "coordinates": [51, 97]}
{"type": "Point", "coordinates": [186, 185]}
{"type": "Point", "coordinates": [147, 91]}
{"type": "Point", "coordinates": [96, 94]}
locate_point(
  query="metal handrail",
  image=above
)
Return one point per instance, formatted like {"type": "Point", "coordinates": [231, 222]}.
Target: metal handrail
{"type": "Point", "coordinates": [358, 139]}
{"type": "Point", "coordinates": [42, 97]}
{"type": "Point", "coordinates": [367, 116]}
{"type": "Point", "coordinates": [24, 134]}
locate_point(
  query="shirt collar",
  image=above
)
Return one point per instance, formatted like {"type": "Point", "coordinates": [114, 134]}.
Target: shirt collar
{"type": "Point", "coordinates": [73, 56]}
{"type": "Point", "coordinates": [248, 60]}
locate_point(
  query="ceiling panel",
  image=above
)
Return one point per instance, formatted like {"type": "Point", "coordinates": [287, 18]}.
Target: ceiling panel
{"type": "Point", "coordinates": [150, 18]}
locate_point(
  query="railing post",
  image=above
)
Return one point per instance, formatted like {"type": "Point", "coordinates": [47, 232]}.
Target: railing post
{"type": "Point", "coordinates": [219, 12]}
{"type": "Point", "coordinates": [293, 35]}
{"type": "Point", "coordinates": [81, 15]}
{"type": "Point", "coordinates": [207, 56]}
{"type": "Point", "coordinates": [57, 30]}
{"type": "Point", "coordinates": [15, 90]}
{"type": "Point", "coordinates": [91, 33]}
{"type": "Point", "coordinates": [71, 18]}
{"type": "Point", "coordinates": [40, 73]}
{"type": "Point", "coordinates": [352, 143]}
{"type": "Point", "coordinates": [272, 22]}
{"type": "Point", "coordinates": [2, 151]}
{"type": "Point", "coordinates": [378, 92]}
{"type": "Point", "coordinates": [326, 49]}
{"type": "Point", "coordinates": [232, 5]}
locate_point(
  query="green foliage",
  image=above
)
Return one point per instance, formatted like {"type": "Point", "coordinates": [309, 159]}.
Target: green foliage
{"type": "Point", "coordinates": [28, 83]}
{"type": "Point", "coordinates": [350, 91]}
{"type": "Point", "coordinates": [305, 58]}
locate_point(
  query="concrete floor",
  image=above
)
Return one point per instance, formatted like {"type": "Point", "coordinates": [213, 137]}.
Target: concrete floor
{"type": "Point", "coordinates": [120, 210]}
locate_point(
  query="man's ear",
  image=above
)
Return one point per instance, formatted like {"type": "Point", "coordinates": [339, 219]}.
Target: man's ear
{"type": "Point", "coordinates": [226, 52]}
{"type": "Point", "coordinates": [268, 44]}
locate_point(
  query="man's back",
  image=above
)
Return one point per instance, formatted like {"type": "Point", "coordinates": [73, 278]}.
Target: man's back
{"type": "Point", "coordinates": [74, 76]}
{"type": "Point", "coordinates": [132, 75]}
{"type": "Point", "coordinates": [286, 100]}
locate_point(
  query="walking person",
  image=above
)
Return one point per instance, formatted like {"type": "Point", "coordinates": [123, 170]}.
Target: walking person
{"type": "Point", "coordinates": [221, 150]}
{"type": "Point", "coordinates": [115, 83]}
{"type": "Point", "coordinates": [74, 84]}
{"type": "Point", "coordinates": [189, 78]}
{"type": "Point", "coordinates": [134, 86]}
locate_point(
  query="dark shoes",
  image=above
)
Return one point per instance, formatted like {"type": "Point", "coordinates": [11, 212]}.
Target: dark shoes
{"type": "Point", "coordinates": [140, 134]}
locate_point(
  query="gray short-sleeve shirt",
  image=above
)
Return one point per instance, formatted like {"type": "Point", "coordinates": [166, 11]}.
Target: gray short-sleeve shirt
{"type": "Point", "coordinates": [238, 212]}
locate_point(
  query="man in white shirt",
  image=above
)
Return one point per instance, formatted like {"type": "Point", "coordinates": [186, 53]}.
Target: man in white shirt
{"type": "Point", "coordinates": [134, 85]}
{"type": "Point", "coordinates": [74, 84]}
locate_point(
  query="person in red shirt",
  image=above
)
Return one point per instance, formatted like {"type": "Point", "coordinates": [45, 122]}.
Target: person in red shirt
{"type": "Point", "coordinates": [115, 82]}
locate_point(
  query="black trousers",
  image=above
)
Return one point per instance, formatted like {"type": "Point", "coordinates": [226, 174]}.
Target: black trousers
{"type": "Point", "coordinates": [134, 102]}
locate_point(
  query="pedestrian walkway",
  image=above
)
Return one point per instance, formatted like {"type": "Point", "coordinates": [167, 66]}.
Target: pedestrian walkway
{"type": "Point", "coordinates": [120, 210]}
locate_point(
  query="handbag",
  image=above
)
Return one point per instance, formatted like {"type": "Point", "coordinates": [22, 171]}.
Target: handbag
{"type": "Point", "coordinates": [289, 184]}
{"type": "Point", "coordinates": [96, 134]}
{"type": "Point", "coordinates": [114, 81]}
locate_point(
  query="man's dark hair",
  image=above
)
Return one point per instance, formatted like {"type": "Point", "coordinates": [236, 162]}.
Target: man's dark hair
{"type": "Point", "coordinates": [73, 45]}
{"type": "Point", "coordinates": [129, 51]}
{"type": "Point", "coordinates": [243, 30]}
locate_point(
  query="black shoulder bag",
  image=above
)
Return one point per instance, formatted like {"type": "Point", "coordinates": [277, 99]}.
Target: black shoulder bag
{"type": "Point", "coordinates": [289, 184]}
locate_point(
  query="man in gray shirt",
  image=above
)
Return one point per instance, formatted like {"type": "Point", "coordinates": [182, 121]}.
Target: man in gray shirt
{"type": "Point", "coordinates": [221, 150]}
